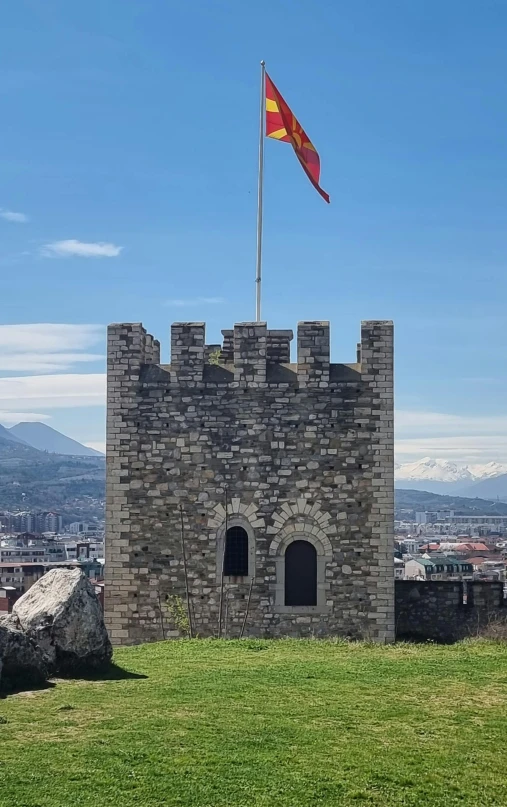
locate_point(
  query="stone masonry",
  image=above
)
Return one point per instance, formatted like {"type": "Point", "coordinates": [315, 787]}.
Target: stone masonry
{"type": "Point", "coordinates": [449, 610]}
{"type": "Point", "coordinates": [299, 452]}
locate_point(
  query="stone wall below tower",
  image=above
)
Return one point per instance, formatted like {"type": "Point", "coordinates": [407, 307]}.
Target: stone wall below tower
{"type": "Point", "coordinates": [447, 611]}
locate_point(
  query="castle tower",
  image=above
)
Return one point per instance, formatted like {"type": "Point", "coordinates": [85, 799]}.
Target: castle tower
{"type": "Point", "coordinates": [300, 454]}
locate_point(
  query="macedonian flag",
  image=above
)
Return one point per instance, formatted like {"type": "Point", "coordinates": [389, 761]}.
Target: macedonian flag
{"type": "Point", "coordinates": [281, 124]}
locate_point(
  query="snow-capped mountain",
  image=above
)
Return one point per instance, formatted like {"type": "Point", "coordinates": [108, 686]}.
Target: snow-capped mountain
{"type": "Point", "coordinates": [487, 471]}
{"type": "Point", "coordinates": [441, 476]}
{"type": "Point", "coordinates": [444, 471]}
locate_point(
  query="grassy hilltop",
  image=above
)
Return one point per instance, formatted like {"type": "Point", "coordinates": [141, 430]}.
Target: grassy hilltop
{"type": "Point", "coordinates": [277, 724]}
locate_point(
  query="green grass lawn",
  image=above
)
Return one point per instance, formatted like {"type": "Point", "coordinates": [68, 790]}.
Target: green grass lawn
{"type": "Point", "coordinates": [280, 723]}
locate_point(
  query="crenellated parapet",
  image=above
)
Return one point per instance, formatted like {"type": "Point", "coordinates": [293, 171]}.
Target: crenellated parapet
{"type": "Point", "coordinates": [251, 353]}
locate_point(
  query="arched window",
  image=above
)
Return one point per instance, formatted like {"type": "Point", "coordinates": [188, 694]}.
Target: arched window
{"type": "Point", "coordinates": [236, 552]}
{"type": "Point", "coordinates": [300, 574]}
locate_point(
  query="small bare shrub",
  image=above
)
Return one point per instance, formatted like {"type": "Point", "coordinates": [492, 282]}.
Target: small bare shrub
{"type": "Point", "coordinates": [178, 614]}
{"type": "Point", "coordinates": [496, 628]}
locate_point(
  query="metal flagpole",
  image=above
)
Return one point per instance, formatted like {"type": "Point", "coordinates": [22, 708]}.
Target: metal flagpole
{"type": "Point", "coordinates": [262, 118]}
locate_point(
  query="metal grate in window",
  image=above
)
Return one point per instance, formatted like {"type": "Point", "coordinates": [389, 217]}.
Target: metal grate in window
{"type": "Point", "coordinates": [300, 574]}
{"type": "Point", "coordinates": [236, 552]}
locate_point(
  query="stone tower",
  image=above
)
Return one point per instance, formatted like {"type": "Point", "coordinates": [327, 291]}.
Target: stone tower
{"type": "Point", "coordinates": [300, 454]}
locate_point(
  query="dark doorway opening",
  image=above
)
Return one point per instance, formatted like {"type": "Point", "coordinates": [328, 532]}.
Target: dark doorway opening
{"type": "Point", "coordinates": [236, 552]}
{"type": "Point", "coordinates": [300, 574]}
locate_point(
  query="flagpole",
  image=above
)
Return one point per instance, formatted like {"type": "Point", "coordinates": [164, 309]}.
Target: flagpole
{"type": "Point", "coordinates": [262, 117]}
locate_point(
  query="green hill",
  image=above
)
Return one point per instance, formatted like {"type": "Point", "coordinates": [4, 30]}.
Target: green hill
{"type": "Point", "coordinates": [32, 479]}
{"type": "Point", "coordinates": [421, 500]}
{"type": "Point", "coordinates": [266, 724]}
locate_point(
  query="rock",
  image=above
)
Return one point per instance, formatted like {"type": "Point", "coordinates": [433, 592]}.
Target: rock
{"type": "Point", "coordinates": [62, 614]}
{"type": "Point", "coordinates": [21, 661]}
{"type": "Point", "coordinates": [10, 621]}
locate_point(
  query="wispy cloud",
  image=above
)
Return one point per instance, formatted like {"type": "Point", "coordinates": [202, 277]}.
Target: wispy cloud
{"type": "Point", "coordinates": [47, 350]}
{"type": "Point", "coordinates": [49, 336]}
{"type": "Point", "coordinates": [463, 449]}
{"type": "Point", "coordinates": [433, 424]}
{"type": "Point", "coordinates": [80, 249]}
{"type": "Point", "coordinates": [44, 362]}
{"type": "Point", "coordinates": [193, 301]}
{"type": "Point", "coordinates": [53, 391]}
{"type": "Point", "coordinates": [16, 218]}
{"type": "Point", "coordinates": [8, 418]}
{"type": "Point", "coordinates": [459, 438]}
{"type": "Point", "coordinates": [47, 347]}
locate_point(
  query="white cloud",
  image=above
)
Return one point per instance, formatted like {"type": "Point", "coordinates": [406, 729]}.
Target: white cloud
{"type": "Point", "coordinates": [16, 218]}
{"type": "Point", "coordinates": [49, 337]}
{"type": "Point", "coordinates": [44, 362]}
{"type": "Point", "coordinates": [99, 445]}
{"type": "Point", "coordinates": [9, 418]}
{"type": "Point", "coordinates": [461, 449]}
{"type": "Point", "coordinates": [458, 438]}
{"type": "Point", "coordinates": [47, 347]}
{"type": "Point", "coordinates": [192, 301]}
{"type": "Point", "coordinates": [80, 249]}
{"type": "Point", "coordinates": [53, 391]}
{"type": "Point", "coordinates": [438, 423]}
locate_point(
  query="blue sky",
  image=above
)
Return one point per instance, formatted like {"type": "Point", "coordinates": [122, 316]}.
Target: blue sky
{"type": "Point", "coordinates": [134, 125]}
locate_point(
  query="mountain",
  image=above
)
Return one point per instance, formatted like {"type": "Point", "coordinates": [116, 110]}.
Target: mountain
{"type": "Point", "coordinates": [6, 434]}
{"type": "Point", "coordinates": [14, 452]}
{"type": "Point", "coordinates": [488, 471]}
{"type": "Point", "coordinates": [44, 438]}
{"type": "Point", "coordinates": [412, 501]}
{"type": "Point", "coordinates": [492, 488]}
{"type": "Point", "coordinates": [37, 480]}
{"type": "Point", "coordinates": [441, 476]}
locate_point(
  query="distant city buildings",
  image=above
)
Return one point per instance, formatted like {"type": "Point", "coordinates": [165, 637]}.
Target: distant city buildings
{"type": "Point", "coordinates": [448, 523]}
{"type": "Point", "coordinates": [84, 550]}
{"type": "Point", "coordinates": [438, 567]}
{"type": "Point", "coordinates": [31, 549]}
{"type": "Point", "coordinates": [411, 545]}
{"type": "Point", "coordinates": [22, 575]}
{"type": "Point", "coordinates": [31, 522]}
{"type": "Point", "coordinates": [84, 528]}
{"type": "Point", "coordinates": [32, 543]}
{"type": "Point", "coordinates": [479, 525]}
{"type": "Point", "coordinates": [441, 545]}
{"type": "Point", "coordinates": [431, 517]}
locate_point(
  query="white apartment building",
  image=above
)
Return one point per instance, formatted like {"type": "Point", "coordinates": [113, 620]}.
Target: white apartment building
{"type": "Point", "coordinates": [78, 527]}
{"type": "Point", "coordinates": [12, 576]}
{"type": "Point", "coordinates": [84, 550]}
{"type": "Point", "coordinates": [36, 553]}
{"type": "Point", "coordinates": [412, 545]}
{"type": "Point", "coordinates": [490, 523]}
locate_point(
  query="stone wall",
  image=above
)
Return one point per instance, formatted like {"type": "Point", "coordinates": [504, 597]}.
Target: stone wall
{"type": "Point", "coordinates": [298, 451]}
{"type": "Point", "coordinates": [446, 611]}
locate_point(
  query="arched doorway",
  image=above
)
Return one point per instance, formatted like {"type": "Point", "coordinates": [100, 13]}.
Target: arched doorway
{"type": "Point", "coordinates": [236, 552]}
{"type": "Point", "coordinates": [300, 574]}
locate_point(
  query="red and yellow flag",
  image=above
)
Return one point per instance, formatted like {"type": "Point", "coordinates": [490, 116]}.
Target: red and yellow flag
{"type": "Point", "coordinates": [281, 124]}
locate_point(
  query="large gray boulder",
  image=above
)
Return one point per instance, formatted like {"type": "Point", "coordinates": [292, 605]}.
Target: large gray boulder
{"type": "Point", "coordinates": [62, 614]}
{"type": "Point", "coordinates": [22, 663]}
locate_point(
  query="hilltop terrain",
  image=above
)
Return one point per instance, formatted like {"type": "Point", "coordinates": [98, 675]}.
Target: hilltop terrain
{"type": "Point", "coordinates": [31, 479]}
{"type": "Point", "coordinates": [421, 500]}
{"type": "Point", "coordinates": [258, 723]}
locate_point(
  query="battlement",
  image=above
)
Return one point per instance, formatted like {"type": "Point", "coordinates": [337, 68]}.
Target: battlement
{"type": "Point", "coordinates": [253, 355]}
{"type": "Point", "coordinates": [128, 343]}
